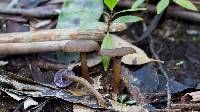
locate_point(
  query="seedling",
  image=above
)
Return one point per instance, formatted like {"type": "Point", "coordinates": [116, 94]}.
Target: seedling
{"type": "Point", "coordinates": [111, 16]}
{"type": "Point", "coordinates": [125, 100]}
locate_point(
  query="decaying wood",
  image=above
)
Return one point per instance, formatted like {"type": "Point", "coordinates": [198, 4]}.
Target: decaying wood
{"type": "Point", "coordinates": [39, 63]}
{"type": "Point", "coordinates": [49, 35]}
{"type": "Point", "coordinates": [88, 86]}
{"type": "Point", "coordinates": [39, 12]}
{"type": "Point", "coordinates": [12, 18]}
{"type": "Point", "coordinates": [178, 12]}
{"type": "Point", "coordinates": [60, 34]}
{"type": "Point", "coordinates": [172, 11]}
{"type": "Point", "coordinates": [190, 106]}
{"type": "Point", "coordinates": [32, 47]}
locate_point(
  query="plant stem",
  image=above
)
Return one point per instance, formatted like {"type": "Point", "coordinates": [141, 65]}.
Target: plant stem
{"type": "Point", "coordinates": [110, 21]}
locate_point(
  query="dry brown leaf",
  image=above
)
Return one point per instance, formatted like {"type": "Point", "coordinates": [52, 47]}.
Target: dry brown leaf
{"type": "Point", "coordinates": [137, 58]}
{"type": "Point", "coordinates": [195, 95]}
{"type": "Point", "coordinates": [97, 82]}
{"type": "Point", "coordinates": [76, 92]}
{"type": "Point", "coordinates": [81, 108]}
{"type": "Point", "coordinates": [92, 61]}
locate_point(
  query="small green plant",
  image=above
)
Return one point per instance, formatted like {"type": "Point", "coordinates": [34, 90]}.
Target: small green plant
{"type": "Point", "coordinates": [163, 4]}
{"type": "Point", "coordinates": [107, 41]}
{"type": "Point", "coordinates": [125, 100]}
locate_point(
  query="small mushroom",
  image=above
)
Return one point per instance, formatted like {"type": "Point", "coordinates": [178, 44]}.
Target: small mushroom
{"type": "Point", "coordinates": [116, 55]}
{"type": "Point", "coordinates": [82, 46]}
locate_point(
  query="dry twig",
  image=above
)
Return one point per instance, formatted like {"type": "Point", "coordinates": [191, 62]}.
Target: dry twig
{"type": "Point", "coordinates": [47, 11]}
{"type": "Point", "coordinates": [163, 71]}
{"type": "Point", "coordinates": [88, 86]}
{"type": "Point", "coordinates": [190, 106]}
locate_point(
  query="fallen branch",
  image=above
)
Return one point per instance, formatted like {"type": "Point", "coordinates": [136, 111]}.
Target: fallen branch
{"type": "Point", "coordinates": [39, 12]}
{"type": "Point", "coordinates": [49, 35]}
{"type": "Point", "coordinates": [13, 18]}
{"type": "Point", "coordinates": [88, 86]}
{"type": "Point", "coordinates": [60, 34]}
{"type": "Point", "coordinates": [172, 11]}
{"type": "Point", "coordinates": [39, 63]}
{"type": "Point", "coordinates": [190, 106]}
{"type": "Point", "coordinates": [165, 110]}
{"type": "Point", "coordinates": [32, 47]}
{"type": "Point", "coordinates": [178, 12]}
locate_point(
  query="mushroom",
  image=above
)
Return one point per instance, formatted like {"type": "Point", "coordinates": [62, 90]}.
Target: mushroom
{"type": "Point", "coordinates": [82, 46]}
{"type": "Point", "coordinates": [116, 55]}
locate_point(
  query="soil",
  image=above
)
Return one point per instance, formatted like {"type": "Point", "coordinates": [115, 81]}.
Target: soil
{"type": "Point", "coordinates": [178, 43]}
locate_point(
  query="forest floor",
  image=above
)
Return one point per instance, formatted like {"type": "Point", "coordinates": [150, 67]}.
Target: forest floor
{"type": "Point", "coordinates": [176, 42]}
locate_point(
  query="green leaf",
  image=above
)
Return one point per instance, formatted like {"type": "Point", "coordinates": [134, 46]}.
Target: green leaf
{"type": "Point", "coordinates": [162, 5]}
{"type": "Point", "coordinates": [122, 98]}
{"type": "Point", "coordinates": [137, 4]}
{"type": "Point", "coordinates": [130, 102]}
{"type": "Point", "coordinates": [92, 25]}
{"type": "Point", "coordinates": [127, 19]}
{"type": "Point", "coordinates": [106, 44]}
{"type": "Point", "coordinates": [186, 4]}
{"type": "Point", "coordinates": [73, 14]}
{"type": "Point", "coordinates": [111, 3]}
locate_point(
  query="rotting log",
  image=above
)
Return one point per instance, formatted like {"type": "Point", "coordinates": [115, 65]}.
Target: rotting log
{"type": "Point", "coordinates": [51, 35]}
{"type": "Point", "coordinates": [173, 11]}
{"type": "Point", "coordinates": [39, 12]}
{"type": "Point", "coordinates": [60, 34]}
{"type": "Point", "coordinates": [178, 12]}
{"type": "Point", "coordinates": [31, 47]}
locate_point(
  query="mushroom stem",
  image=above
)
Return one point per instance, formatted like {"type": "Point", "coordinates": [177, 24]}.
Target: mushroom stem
{"type": "Point", "coordinates": [84, 67]}
{"type": "Point", "coordinates": [117, 74]}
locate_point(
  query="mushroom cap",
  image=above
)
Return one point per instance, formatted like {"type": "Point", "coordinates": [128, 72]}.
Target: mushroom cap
{"type": "Point", "coordinates": [117, 51]}
{"type": "Point", "coordinates": [81, 46]}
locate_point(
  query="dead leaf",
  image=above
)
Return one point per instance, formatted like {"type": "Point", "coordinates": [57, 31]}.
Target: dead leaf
{"type": "Point", "coordinates": [119, 107]}
{"type": "Point", "coordinates": [195, 95]}
{"type": "Point", "coordinates": [76, 92]}
{"type": "Point", "coordinates": [137, 58]}
{"type": "Point", "coordinates": [29, 102]}
{"type": "Point", "coordinates": [91, 61]}
{"type": "Point", "coordinates": [14, 96]}
{"type": "Point", "coordinates": [81, 108]}
{"type": "Point", "coordinates": [97, 82]}
{"type": "Point", "coordinates": [2, 63]}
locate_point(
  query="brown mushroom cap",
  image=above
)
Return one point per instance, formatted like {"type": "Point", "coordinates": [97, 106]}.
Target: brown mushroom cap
{"type": "Point", "coordinates": [116, 52]}
{"type": "Point", "coordinates": [81, 46]}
